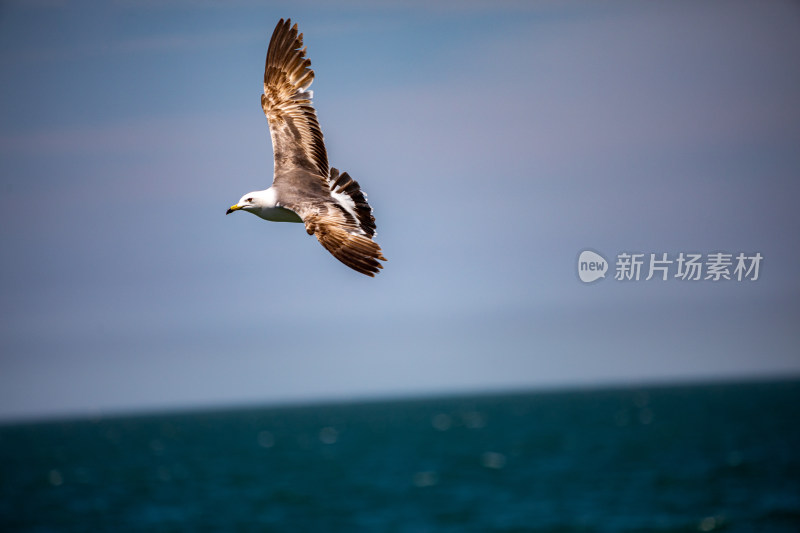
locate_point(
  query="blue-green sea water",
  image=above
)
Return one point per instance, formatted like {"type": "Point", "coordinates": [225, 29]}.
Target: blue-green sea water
{"type": "Point", "coordinates": [723, 457]}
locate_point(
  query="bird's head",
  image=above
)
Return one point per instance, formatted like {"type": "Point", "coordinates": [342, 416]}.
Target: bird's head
{"type": "Point", "coordinates": [248, 202]}
{"type": "Point", "coordinates": [255, 201]}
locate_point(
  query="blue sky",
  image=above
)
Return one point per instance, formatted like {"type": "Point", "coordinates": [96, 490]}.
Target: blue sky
{"type": "Point", "coordinates": [496, 142]}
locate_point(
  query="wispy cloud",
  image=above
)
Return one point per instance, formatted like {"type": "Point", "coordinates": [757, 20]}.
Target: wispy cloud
{"type": "Point", "coordinates": [609, 86]}
{"type": "Point", "coordinates": [139, 136]}
{"type": "Point", "coordinates": [150, 44]}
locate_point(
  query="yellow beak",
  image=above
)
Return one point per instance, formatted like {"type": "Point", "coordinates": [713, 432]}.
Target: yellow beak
{"type": "Point", "coordinates": [233, 208]}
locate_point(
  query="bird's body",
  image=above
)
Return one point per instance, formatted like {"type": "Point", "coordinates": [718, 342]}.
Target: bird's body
{"type": "Point", "coordinates": [304, 188]}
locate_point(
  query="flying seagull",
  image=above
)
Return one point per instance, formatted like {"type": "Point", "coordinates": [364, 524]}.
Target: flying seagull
{"type": "Point", "coordinates": [304, 188]}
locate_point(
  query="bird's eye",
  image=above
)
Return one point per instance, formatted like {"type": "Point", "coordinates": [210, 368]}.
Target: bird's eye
{"type": "Point", "coordinates": [249, 200]}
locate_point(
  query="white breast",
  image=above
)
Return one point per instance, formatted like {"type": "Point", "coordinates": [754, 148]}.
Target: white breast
{"type": "Point", "coordinates": [278, 214]}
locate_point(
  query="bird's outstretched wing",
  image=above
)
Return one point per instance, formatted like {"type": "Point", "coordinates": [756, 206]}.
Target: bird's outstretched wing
{"type": "Point", "coordinates": [296, 136]}
{"type": "Point", "coordinates": [340, 233]}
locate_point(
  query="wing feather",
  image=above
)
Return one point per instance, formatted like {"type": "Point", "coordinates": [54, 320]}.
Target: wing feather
{"type": "Point", "coordinates": [340, 235]}
{"type": "Point", "coordinates": [297, 139]}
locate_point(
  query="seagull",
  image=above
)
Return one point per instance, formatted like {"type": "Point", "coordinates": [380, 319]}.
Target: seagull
{"type": "Point", "coordinates": [304, 188]}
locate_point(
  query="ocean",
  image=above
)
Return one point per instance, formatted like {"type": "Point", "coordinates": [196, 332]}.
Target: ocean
{"type": "Point", "coordinates": [718, 457]}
